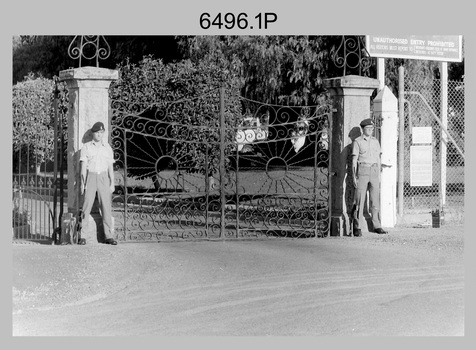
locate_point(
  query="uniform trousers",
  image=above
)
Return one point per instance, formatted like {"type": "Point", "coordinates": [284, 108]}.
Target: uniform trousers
{"type": "Point", "coordinates": [368, 178]}
{"type": "Point", "coordinates": [98, 183]}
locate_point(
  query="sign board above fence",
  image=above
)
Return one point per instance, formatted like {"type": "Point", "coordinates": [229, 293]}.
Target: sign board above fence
{"type": "Point", "coordinates": [445, 48]}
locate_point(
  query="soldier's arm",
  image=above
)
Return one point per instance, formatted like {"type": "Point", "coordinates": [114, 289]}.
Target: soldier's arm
{"type": "Point", "coordinates": [380, 159]}
{"type": "Point", "coordinates": [110, 170]}
{"type": "Point", "coordinates": [355, 158]}
{"type": "Point", "coordinates": [83, 175]}
{"type": "Point", "coordinates": [83, 170]}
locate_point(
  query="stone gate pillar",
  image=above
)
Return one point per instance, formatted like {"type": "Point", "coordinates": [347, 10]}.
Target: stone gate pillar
{"type": "Point", "coordinates": [351, 101]}
{"type": "Point", "coordinates": [88, 103]}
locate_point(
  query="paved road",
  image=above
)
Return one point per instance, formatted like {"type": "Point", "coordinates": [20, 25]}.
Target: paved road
{"type": "Point", "coordinates": [328, 286]}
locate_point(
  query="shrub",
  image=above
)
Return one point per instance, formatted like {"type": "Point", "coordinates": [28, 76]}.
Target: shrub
{"type": "Point", "coordinates": [20, 217]}
{"type": "Point", "coordinates": [178, 101]}
{"type": "Point", "coordinates": [33, 119]}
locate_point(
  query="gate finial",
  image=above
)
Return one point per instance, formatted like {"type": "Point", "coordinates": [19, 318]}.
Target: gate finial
{"type": "Point", "coordinates": [351, 54]}
{"type": "Point", "coordinates": [89, 47]}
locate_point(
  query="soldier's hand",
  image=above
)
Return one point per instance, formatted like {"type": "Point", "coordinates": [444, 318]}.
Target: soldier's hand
{"type": "Point", "coordinates": [112, 188]}
{"type": "Point", "coordinates": [83, 188]}
{"type": "Point", "coordinates": [354, 181]}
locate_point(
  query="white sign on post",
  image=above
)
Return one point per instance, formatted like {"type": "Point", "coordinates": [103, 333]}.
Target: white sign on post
{"type": "Point", "coordinates": [446, 48]}
{"type": "Point", "coordinates": [421, 171]}
{"type": "Point", "coordinates": [421, 134]}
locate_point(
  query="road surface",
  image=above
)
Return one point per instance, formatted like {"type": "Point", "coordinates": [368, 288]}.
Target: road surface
{"type": "Point", "coordinates": [410, 282]}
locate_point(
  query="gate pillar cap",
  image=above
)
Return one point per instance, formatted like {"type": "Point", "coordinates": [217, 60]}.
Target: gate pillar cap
{"type": "Point", "coordinates": [352, 81]}
{"type": "Point", "coordinates": [385, 98]}
{"type": "Point", "coordinates": [89, 73]}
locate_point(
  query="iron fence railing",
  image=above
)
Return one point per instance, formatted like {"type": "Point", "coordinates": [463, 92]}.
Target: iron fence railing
{"type": "Point", "coordinates": [38, 182]}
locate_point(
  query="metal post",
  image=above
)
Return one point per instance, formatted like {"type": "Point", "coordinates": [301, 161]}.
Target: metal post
{"type": "Point", "coordinates": [207, 189]}
{"type": "Point", "coordinates": [314, 193]}
{"type": "Point", "coordinates": [56, 223]}
{"type": "Point", "coordinates": [401, 139]}
{"type": "Point", "coordinates": [222, 161]}
{"type": "Point", "coordinates": [237, 182]}
{"type": "Point", "coordinates": [125, 184]}
{"type": "Point", "coordinates": [330, 171]}
{"type": "Point", "coordinates": [61, 169]}
{"type": "Point", "coordinates": [443, 136]}
{"type": "Point", "coordinates": [381, 72]}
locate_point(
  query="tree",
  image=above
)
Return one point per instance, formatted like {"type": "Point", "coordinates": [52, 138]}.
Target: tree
{"type": "Point", "coordinates": [48, 55]}
{"type": "Point", "coordinates": [456, 70]}
{"type": "Point", "coordinates": [424, 71]}
{"type": "Point", "coordinates": [41, 55]}
{"type": "Point", "coordinates": [32, 113]}
{"type": "Point", "coordinates": [135, 48]}
{"type": "Point", "coordinates": [421, 70]}
{"type": "Point", "coordinates": [284, 69]}
{"type": "Point", "coordinates": [33, 120]}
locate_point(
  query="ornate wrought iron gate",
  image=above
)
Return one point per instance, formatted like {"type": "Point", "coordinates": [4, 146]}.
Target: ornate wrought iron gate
{"type": "Point", "coordinates": [246, 170]}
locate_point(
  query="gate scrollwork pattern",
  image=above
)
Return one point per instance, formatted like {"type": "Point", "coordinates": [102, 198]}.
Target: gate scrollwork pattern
{"type": "Point", "coordinates": [268, 176]}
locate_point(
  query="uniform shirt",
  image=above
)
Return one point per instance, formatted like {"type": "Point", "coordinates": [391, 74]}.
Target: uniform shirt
{"type": "Point", "coordinates": [97, 156]}
{"type": "Point", "coordinates": [367, 149]}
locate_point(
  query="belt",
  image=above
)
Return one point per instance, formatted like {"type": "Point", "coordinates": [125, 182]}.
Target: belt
{"type": "Point", "coordinates": [368, 164]}
{"type": "Point", "coordinates": [97, 172]}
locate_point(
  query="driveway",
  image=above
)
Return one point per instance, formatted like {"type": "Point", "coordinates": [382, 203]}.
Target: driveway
{"type": "Point", "coordinates": [410, 282]}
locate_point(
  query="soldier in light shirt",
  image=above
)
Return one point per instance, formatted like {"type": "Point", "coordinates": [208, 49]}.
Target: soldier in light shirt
{"type": "Point", "coordinates": [97, 176]}
{"type": "Point", "coordinates": [366, 166]}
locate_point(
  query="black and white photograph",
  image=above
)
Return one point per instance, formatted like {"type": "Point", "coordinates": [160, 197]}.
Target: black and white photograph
{"type": "Point", "coordinates": [237, 178]}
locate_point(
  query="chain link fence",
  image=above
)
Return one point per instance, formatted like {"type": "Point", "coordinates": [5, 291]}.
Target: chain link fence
{"type": "Point", "coordinates": [433, 159]}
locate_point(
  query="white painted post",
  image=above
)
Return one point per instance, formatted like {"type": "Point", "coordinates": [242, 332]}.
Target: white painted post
{"type": "Point", "coordinates": [443, 136]}
{"type": "Point", "coordinates": [386, 105]}
{"type": "Point", "coordinates": [381, 73]}
{"type": "Point", "coordinates": [401, 139]}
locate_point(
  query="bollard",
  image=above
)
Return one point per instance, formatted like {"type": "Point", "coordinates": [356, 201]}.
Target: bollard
{"type": "Point", "coordinates": [68, 226]}
{"type": "Point", "coordinates": [437, 218]}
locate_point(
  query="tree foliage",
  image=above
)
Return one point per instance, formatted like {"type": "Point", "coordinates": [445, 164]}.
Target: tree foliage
{"type": "Point", "coordinates": [424, 71]}
{"type": "Point", "coordinates": [291, 69]}
{"type": "Point", "coordinates": [33, 118]}
{"type": "Point", "coordinates": [41, 55]}
{"type": "Point", "coordinates": [32, 112]}
{"type": "Point", "coordinates": [48, 55]}
{"type": "Point", "coordinates": [271, 69]}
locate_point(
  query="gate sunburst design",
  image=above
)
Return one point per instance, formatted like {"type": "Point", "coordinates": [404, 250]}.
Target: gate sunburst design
{"type": "Point", "coordinates": [281, 183]}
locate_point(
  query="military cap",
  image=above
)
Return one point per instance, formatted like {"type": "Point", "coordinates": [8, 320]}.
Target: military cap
{"type": "Point", "coordinates": [366, 122]}
{"type": "Point", "coordinates": [97, 127]}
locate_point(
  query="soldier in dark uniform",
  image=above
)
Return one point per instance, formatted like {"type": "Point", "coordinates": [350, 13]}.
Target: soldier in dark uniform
{"type": "Point", "coordinates": [366, 167]}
